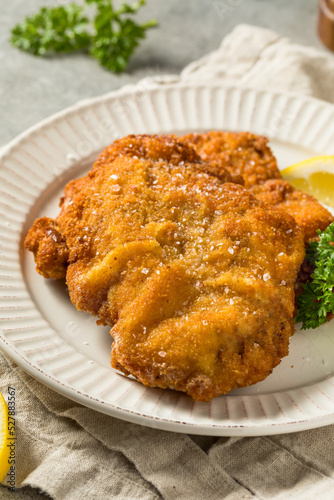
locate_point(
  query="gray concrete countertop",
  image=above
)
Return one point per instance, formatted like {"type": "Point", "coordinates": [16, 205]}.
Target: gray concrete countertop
{"type": "Point", "coordinates": [33, 88]}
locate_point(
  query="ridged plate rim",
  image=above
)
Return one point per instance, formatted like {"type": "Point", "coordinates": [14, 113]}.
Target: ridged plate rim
{"type": "Point", "coordinates": [318, 120]}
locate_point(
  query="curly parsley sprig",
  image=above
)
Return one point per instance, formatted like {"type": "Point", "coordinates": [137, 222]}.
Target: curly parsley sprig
{"type": "Point", "coordinates": [317, 299]}
{"type": "Point", "coordinates": [111, 38]}
{"type": "Point", "coordinates": [61, 29]}
{"type": "Point", "coordinates": [116, 36]}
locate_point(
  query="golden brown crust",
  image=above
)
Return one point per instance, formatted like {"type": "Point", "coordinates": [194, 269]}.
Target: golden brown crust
{"type": "Point", "coordinates": [248, 155]}
{"type": "Point", "coordinates": [309, 214]}
{"type": "Point", "coordinates": [49, 248]}
{"type": "Point", "coordinates": [195, 276]}
{"type": "Point", "coordinates": [241, 153]}
{"type": "Point", "coordinates": [168, 147]}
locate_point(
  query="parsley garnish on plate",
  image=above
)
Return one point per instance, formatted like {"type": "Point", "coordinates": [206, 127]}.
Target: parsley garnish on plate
{"type": "Point", "coordinates": [317, 299]}
{"type": "Point", "coordinates": [111, 37]}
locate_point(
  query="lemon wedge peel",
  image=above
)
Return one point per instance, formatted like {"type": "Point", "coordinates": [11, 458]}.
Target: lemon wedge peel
{"type": "Point", "coordinates": [314, 176]}
{"type": "Point", "coordinates": [4, 439]}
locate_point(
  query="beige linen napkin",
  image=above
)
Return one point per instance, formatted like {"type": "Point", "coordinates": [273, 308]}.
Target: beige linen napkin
{"type": "Point", "coordinates": [72, 452]}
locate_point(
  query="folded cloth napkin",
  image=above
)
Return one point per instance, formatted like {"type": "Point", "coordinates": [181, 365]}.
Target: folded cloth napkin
{"type": "Point", "coordinates": [72, 452]}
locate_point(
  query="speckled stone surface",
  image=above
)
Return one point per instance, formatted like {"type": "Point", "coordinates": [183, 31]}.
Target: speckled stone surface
{"type": "Point", "coordinates": [33, 88]}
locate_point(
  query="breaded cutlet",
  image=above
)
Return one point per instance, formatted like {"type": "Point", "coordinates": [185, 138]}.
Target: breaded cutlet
{"type": "Point", "coordinates": [193, 274]}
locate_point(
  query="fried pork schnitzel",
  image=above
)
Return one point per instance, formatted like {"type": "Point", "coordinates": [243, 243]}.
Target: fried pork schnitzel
{"type": "Point", "coordinates": [309, 214]}
{"type": "Point", "coordinates": [194, 275]}
{"type": "Point", "coordinates": [240, 153]}
{"type": "Point", "coordinates": [248, 155]}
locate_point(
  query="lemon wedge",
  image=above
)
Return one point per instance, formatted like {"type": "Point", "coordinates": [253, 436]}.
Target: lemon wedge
{"type": "Point", "coordinates": [4, 439]}
{"type": "Point", "coordinates": [314, 176]}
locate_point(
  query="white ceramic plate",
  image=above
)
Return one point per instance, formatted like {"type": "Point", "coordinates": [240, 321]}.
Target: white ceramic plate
{"type": "Point", "coordinates": [64, 349]}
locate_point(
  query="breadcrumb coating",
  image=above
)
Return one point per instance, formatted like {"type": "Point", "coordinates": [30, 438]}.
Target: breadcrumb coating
{"type": "Point", "coordinates": [194, 275]}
